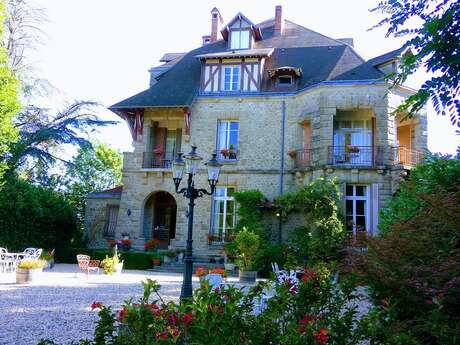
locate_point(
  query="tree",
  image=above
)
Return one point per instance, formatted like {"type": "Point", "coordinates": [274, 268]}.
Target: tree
{"type": "Point", "coordinates": [436, 47]}
{"type": "Point", "coordinates": [9, 104]}
{"type": "Point", "coordinates": [94, 168]}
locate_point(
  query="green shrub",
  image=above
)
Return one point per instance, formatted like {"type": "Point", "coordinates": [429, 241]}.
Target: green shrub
{"type": "Point", "coordinates": [323, 233]}
{"type": "Point", "coordinates": [249, 214]}
{"type": "Point", "coordinates": [247, 245]}
{"type": "Point", "coordinates": [438, 174]}
{"type": "Point", "coordinates": [33, 216]}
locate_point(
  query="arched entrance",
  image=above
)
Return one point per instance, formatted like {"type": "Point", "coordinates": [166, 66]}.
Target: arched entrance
{"type": "Point", "coordinates": [160, 213]}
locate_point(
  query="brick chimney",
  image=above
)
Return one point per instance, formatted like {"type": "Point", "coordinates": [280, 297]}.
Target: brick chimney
{"type": "Point", "coordinates": [278, 20]}
{"type": "Point", "coordinates": [216, 19]}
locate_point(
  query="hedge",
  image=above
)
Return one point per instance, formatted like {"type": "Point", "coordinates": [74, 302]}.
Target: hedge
{"type": "Point", "coordinates": [132, 260]}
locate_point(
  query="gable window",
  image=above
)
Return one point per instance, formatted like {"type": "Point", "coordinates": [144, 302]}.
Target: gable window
{"type": "Point", "coordinates": [285, 80]}
{"type": "Point", "coordinates": [357, 209]}
{"type": "Point", "coordinates": [223, 214]}
{"type": "Point", "coordinates": [227, 140]}
{"type": "Point", "coordinates": [231, 79]}
{"type": "Point", "coordinates": [240, 39]}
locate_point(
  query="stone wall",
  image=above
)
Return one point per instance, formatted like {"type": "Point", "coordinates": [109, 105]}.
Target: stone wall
{"type": "Point", "coordinates": [95, 217]}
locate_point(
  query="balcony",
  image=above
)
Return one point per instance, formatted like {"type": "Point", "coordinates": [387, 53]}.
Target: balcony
{"type": "Point", "coordinates": [407, 157]}
{"type": "Point", "coordinates": [151, 160]}
{"type": "Point", "coordinates": [356, 156]}
{"type": "Point", "coordinates": [302, 158]}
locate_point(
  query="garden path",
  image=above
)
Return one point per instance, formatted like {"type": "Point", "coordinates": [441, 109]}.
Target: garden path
{"type": "Point", "coordinates": [58, 306]}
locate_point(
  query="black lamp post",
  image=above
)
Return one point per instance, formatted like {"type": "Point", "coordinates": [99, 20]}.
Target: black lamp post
{"type": "Point", "coordinates": [190, 165]}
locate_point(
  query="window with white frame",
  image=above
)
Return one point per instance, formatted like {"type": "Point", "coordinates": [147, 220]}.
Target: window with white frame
{"type": "Point", "coordinates": [357, 208]}
{"type": "Point", "coordinates": [240, 39]}
{"type": "Point", "coordinates": [227, 139]}
{"type": "Point", "coordinates": [223, 214]}
{"type": "Point", "coordinates": [231, 78]}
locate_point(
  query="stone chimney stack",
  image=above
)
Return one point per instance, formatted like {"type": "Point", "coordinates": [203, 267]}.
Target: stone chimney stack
{"type": "Point", "coordinates": [278, 20]}
{"type": "Point", "coordinates": [216, 19]}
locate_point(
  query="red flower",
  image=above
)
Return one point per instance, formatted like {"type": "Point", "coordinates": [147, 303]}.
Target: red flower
{"type": "Point", "coordinates": [187, 318]}
{"type": "Point", "coordinates": [293, 290]}
{"type": "Point", "coordinates": [308, 275]}
{"type": "Point", "coordinates": [173, 319]}
{"type": "Point", "coordinates": [321, 336]}
{"type": "Point", "coordinates": [307, 319]}
{"type": "Point", "coordinates": [200, 272]}
{"type": "Point", "coordinates": [122, 315]}
{"type": "Point", "coordinates": [96, 305]}
{"type": "Point", "coordinates": [174, 332]}
{"type": "Point", "coordinates": [210, 307]}
{"type": "Point", "coordinates": [162, 335]}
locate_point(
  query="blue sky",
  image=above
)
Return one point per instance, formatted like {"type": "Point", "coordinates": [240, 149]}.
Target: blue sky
{"type": "Point", "coordinates": [102, 50]}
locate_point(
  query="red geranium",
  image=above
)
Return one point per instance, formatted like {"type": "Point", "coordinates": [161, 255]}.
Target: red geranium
{"type": "Point", "coordinates": [96, 305]}
{"type": "Point", "coordinates": [187, 318]}
{"type": "Point", "coordinates": [321, 336]}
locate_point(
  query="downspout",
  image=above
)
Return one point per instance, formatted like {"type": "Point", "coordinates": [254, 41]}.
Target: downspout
{"type": "Point", "coordinates": [283, 127]}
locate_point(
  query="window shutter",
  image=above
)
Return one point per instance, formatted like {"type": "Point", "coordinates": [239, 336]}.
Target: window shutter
{"type": "Point", "coordinates": [375, 208]}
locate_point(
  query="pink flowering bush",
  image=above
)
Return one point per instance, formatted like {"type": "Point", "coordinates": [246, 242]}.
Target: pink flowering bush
{"type": "Point", "coordinates": [311, 310]}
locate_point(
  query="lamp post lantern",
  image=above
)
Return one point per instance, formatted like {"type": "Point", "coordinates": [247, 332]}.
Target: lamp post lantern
{"type": "Point", "coordinates": [189, 163]}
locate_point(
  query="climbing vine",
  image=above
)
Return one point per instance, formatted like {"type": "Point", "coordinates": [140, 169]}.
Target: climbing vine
{"type": "Point", "coordinates": [249, 213]}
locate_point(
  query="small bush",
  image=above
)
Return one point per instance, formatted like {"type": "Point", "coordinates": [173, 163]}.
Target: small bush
{"type": "Point", "coordinates": [32, 264]}
{"type": "Point", "coordinates": [247, 244]}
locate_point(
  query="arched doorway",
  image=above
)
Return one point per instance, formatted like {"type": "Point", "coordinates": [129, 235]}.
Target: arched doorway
{"type": "Point", "coordinates": [160, 213]}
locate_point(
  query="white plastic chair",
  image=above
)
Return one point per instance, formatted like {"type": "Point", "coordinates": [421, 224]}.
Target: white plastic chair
{"type": "Point", "coordinates": [5, 261]}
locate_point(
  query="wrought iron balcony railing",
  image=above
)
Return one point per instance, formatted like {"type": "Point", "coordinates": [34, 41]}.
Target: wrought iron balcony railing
{"type": "Point", "coordinates": [302, 158]}
{"type": "Point", "coordinates": [408, 157]}
{"type": "Point", "coordinates": [152, 160]}
{"type": "Point", "coordinates": [356, 155]}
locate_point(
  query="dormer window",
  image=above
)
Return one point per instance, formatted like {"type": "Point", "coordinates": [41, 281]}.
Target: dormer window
{"type": "Point", "coordinates": [240, 39]}
{"type": "Point", "coordinates": [284, 80]}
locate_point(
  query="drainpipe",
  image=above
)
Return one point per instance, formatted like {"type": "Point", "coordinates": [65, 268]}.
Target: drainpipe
{"type": "Point", "coordinates": [283, 126]}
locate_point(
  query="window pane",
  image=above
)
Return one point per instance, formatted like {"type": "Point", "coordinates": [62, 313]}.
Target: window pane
{"type": "Point", "coordinates": [244, 39]}
{"type": "Point", "coordinates": [349, 191]}
{"type": "Point", "coordinates": [345, 124]}
{"type": "Point", "coordinates": [234, 126]}
{"type": "Point", "coordinates": [230, 191]}
{"type": "Point", "coordinates": [360, 190]}
{"type": "Point", "coordinates": [235, 39]}
{"type": "Point", "coordinates": [349, 207]}
{"type": "Point", "coordinates": [360, 207]}
{"type": "Point", "coordinates": [220, 191]}
{"type": "Point", "coordinates": [360, 223]}
{"type": "Point", "coordinates": [349, 224]}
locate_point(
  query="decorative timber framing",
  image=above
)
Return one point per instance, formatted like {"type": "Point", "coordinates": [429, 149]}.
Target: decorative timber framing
{"type": "Point", "coordinates": [135, 120]}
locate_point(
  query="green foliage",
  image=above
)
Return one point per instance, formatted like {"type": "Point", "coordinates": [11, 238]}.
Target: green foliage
{"type": "Point", "coordinates": [247, 245]}
{"type": "Point", "coordinates": [267, 254]}
{"type": "Point", "coordinates": [438, 174]}
{"type": "Point", "coordinates": [434, 40]}
{"type": "Point", "coordinates": [414, 272]}
{"type": "Point", "coordinates": [323, 231]}
{"type": "Point", "coordinates": [33, 216]}
{"type": "Point", "coordinates": [110, 262]}
{"type": "Point", "coordinates": [314, 312]}
{"type": "Point", "coordinates": [9, 103]}
{"type": "Point", "coordinates": [249, 215]}
{"type": "Point", "coordinates": [95, 168]}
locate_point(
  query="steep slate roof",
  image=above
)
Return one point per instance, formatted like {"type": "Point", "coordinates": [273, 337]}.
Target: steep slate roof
{"type": "Point", "coordinates": [381, 59]}
{"type": "Point", "coordinates": [321, 58]}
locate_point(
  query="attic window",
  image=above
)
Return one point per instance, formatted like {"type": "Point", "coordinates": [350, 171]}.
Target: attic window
{"type": "Point", "coordinates": [285, 80]}
{"type": "Point", "coordinates": [239, 39]}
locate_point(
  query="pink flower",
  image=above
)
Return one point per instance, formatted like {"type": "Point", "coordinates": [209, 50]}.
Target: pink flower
{"type": "Point", "coordinates": [96, 305]}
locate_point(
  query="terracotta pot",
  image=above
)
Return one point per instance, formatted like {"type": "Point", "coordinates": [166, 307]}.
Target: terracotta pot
{"type": "Point", "coordinates": [156, 262]}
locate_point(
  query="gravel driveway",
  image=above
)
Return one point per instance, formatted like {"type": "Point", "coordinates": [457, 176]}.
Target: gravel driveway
{"type": "Point", "coordinates": [58, 306]}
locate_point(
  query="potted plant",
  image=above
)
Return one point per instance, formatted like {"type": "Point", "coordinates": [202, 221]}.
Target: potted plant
{"type": "Point", "coordinates": [151, 245]}
{"type": "Point", "coordinates": [224, 152]}
{"type": "Point", "coordinates": [112, 264]}
{"type": "Point", "coordinates": [156, 261]}
{"type": "Point", "coordinates": [247, 245]}
{"type": "Point", "coordinates": [49, 259]}
{"type": "Point", "coordinates": [29, 270]}
{"type": "Point", "coordinates": [292, 153]}
{"type": "Point", "coordinates": [126, 245]}
{"type": "Point", "coordinates": [231, 152]}
{"type": "Point", "coordinates": [159, 151]}
{"type": "Point", "coordinates": [169, 256]}
{"type": "Point", "coordinates": [230, 255]}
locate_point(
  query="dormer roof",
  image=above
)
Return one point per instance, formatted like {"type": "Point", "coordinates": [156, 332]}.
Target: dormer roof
{"type": "Point", "coordinates": [257, 33]}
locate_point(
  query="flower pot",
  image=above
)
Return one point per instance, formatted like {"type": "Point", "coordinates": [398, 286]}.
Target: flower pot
{"type": "Point", "coordinates": [118, 267]}
{"type": "Point", "coordinates": [229, 266]}
{"type": "Point", "coordinates": [156, 262]}
{"type": "Point", "coordinates": [248, 277]}
{"type": "Point", "coordinates": [25, 275]}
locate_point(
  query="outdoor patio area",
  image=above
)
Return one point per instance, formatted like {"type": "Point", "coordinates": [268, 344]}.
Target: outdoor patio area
{"type": "Point", "coordinates": [58, 305]}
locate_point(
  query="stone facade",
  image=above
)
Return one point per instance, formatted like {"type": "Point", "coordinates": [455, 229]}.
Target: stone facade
{"type": "Point", "coordinates": [259, 146]}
